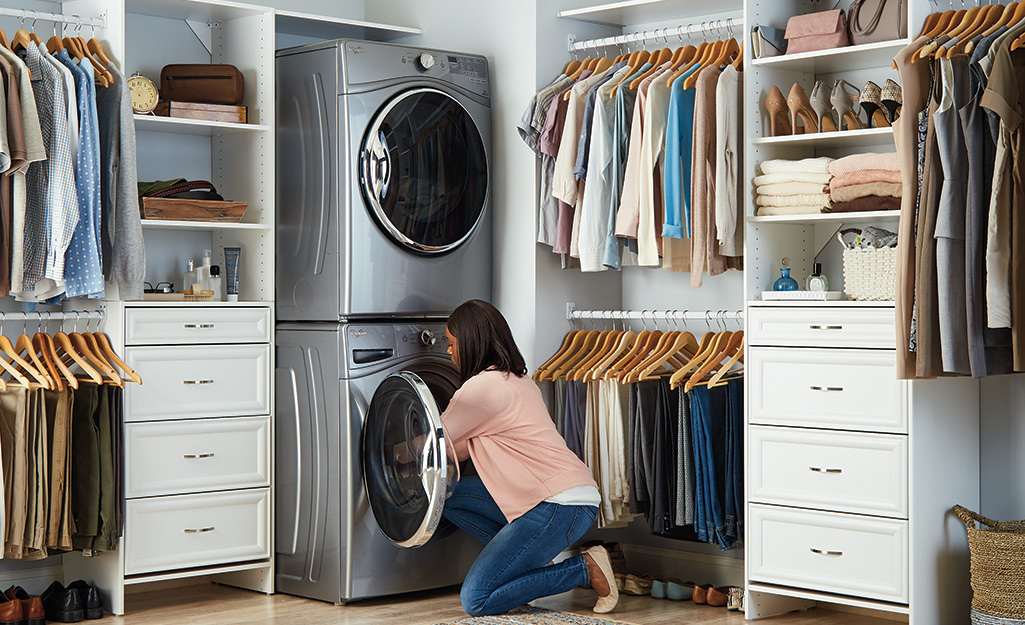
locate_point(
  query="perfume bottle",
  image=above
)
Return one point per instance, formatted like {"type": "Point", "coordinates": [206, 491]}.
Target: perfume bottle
{"type": "Point", "coordinates": [189, 277]}
{"type": "Point", "coordinates": [215, 282]}
{"type": "Point", "coordinates": [785, 282]}
{"type": "Point", "coordinates": [816, 281]}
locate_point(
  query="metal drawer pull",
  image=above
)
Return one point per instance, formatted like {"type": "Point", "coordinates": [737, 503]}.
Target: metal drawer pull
{"type": "Point", "coordinates": [198, 326]}
{"type": "Point", "coordinates": [817, 470]}
{"type": "Point", "coordinates": [827, 389]}
{"type": "Point", "coordinates": [193, 456]}
{"type": "Point", "coordinates": [822, 552]}
{"type": "Point", "coordinates": [201, 530]}
{"type": "Point", "coordinates": [197, 381]}
{"type": "Point", "coordinates": [823, 327]}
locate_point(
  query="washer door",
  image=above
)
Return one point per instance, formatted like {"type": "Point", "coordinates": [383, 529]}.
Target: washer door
{"type": "Point", "coordinates": [408, 466]}
{"type": "Point", "coordinates": [424, 171]}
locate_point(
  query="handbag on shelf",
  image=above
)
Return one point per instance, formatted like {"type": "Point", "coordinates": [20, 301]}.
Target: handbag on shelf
{"type": "Point", "coordinates": [869, 21]}
{"type": "Point", "coordinates": [205, 83]}
{"type": "Point", "coordinates": [817, 31]}
{"type": "Point", "coordinates": [767, 41]}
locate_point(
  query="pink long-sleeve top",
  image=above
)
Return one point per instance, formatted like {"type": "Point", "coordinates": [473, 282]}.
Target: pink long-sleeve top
{"type": "Point", "coordinates": [500, 421]}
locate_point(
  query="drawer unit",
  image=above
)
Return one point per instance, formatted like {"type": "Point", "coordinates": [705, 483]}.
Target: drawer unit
{"type": "Point", "coordinates": [199, 381]}
{"type": "Point", "coordinates": [198, 325]}
{"type": "Point", "coordinates": [836, 389]}
{"type": "Point", "coordinates": [821, 327]}
{"type": "Point", "coordinates": [201, 455]}
{"type": "Point", "coordinates": [842, 471]}
{"type": "Point", "coordinates": [188, 531]}
{"type": "Point", "coordinates": [838, 553]}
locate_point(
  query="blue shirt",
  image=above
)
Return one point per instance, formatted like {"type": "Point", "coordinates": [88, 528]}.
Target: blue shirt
{"type": "Point", "coordinates": [679, 144]}
{"type": "Point", "coordinates": [584, 143]}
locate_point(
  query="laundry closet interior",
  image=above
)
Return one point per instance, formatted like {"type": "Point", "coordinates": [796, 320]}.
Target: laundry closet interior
{"type": "Point", "coordinates": [249, 413]}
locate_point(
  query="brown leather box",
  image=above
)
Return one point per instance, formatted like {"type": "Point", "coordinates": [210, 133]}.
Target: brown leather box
{"type": "Point", "coordinates": [207, 83]}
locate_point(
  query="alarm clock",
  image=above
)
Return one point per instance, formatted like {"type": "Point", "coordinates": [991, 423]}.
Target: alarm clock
{"type": "Point", "coordinates": [144, 93]}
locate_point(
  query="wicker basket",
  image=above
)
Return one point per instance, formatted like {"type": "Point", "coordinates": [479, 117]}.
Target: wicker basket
{"type": "Point", "coordinates": [869, 274]}
{"type": "Point", "coordinates": [997, 566]}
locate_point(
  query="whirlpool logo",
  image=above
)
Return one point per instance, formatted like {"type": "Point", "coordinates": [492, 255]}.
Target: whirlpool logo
{"type": "Point", "coordinates": [354, 333]}
{"type": "Point", "coordinates": [356, 49]}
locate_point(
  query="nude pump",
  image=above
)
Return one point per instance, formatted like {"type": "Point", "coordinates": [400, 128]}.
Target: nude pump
{"type": "Point", "coordinates": [776, 107]}
{"type": "Point", "coordinates": [799, 106]}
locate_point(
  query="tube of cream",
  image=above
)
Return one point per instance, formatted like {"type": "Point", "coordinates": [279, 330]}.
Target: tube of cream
{"type": "Point", "coordinates": [232, 256]}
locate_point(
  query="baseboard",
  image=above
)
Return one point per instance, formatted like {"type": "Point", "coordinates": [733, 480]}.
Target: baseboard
{"type": "Point", "coordinates": [850, 609]}
{"type": "Point", "coordinates": [135, 589]}
{"type": "Point", "coordinates": [34, 579]}
{"type": "Point", "coordinates": [684, 565]}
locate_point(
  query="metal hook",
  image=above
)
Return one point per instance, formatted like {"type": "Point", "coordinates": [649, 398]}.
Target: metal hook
{"type": "Point", "coordinates": [708, 316]}
{"type": "Point", "coordinates": [665, 35]}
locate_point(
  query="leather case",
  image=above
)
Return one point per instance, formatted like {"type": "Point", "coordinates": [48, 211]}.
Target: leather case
{"type": "Point", "coordinates": [817, 31]}
{"type": "Point", "coordinates": [877, 20]}
{"type": "Point", "coordinates": [767, 42]}
{"type": "Point", "coordinates": [209, 83]}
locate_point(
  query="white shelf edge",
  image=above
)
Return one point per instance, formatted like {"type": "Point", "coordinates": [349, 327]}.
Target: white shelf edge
{"type": "Point", "coordinates": [171, 224]}
{"type": "Point", "coordinates": [832, 53]}
{"type": "Point", "coordinates": [141, 303]}
{"type": "Point", "coordinates": [813, 218]}
{"type": "Point", "coordinates": [840, 303]}
{"type": "Point", "coordinates": [871, 604]}
{"type": "Point", "coordinates": [147, 578]}
{"type": "Point", "coordinates": [840, 136]}
{"type": "Point", "coordinates": [341, 21]}
{"type": "Point", "coordinates": [173, 122]}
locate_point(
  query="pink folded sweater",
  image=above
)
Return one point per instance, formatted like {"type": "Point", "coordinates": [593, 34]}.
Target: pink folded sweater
{"type": "Point", "coordinates": [864, 177]}
{"type": "Point", "coordinates": [854, 191]}
{"type": "Point", "coordinates": [860, 162]}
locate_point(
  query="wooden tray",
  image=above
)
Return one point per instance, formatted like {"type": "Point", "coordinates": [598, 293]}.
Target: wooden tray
{"type": "Point", "coordinates": [192, 210]}
{"type": "Point", "coordinates": [208, 112]}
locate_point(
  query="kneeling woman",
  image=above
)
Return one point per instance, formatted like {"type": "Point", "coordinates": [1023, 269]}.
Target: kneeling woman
{"type": "Point", "coordinates": [531, 497]}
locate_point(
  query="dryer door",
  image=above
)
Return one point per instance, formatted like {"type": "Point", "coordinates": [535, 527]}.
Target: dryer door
{"type": "Point", "coordinates": [408, 466]}
{"type": "Point", "coordinates": [424, 171]}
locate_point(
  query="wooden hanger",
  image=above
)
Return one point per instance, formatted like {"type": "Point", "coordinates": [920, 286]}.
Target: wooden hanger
{"type": "Point", "coordinates": [738, 356]}
{"type": "Point", "coordinates": [78, 49]}
{"type": "Point", "coordinates": [20, 40]}
{"type": "Point", "coordinates": [566, 342]}
{"type": "Point", "coordinates": [716, 50]}
{"type": "Point", "coordinates": [684, 344]}
{"type": "Point", "coordinates": [107, 349]}
{"type": "Point", "coordinates": [83, 347]}
{"type": "Point", "coordinates": [930, 22]}
{"type": "Point", "coordinates": [708, 343]}
{"type": "Point", "coordinates": [956, 20]}
{"type": "Point", "coordinates": [23, 365]}
{"type": "Point", "coordinates": [3, 40]}
{"type": "Point", "coordinates": [635, 63]}
{"type": "Point", "coordinates": [49, 362]}
{"type": "Point", "coordinates": [24, 347]}
{"type": "Point", "coordinates": [96, 49]}
{"type": "Point", "coordinates": [738, 63]}
{"type": "Point", "coordinates": [34, 38]}
{"type": "Point", "coordinates": [639, 342]}
{"type": "Point", "coordinates": [580, 68]}
{"type": "Point", "coordinates": [645, 350]}
{"type": "Point", "coordinates": [630, 373]}
{"type": "Point", "coordinates": [727, 342]}
{"type": "Point", "coordinates": [54, 44]}
{"type": "Point", "coordinates": [657, 59]}
{"type": "Point", "coordinates": [1004, 20]}
{"type": "Point", "coordinates": [581, 345]}
{"type": "Point", "coordinates": [626, 341]}
{"type": "Point", "coordinates": [67, 351]}
{"type": "Point", "coordinates": [988, 16]}
{"type": "Point", "coordinates": [605, 347]}
{"type": "Point", "coordinates": [702, 51]}
{"type": "Point", "coordinates": [605, 338]}
{"type": "Point", "coordinates": [60, 372]}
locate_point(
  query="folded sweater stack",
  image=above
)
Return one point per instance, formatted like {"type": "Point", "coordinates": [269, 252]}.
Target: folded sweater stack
{"type": "Point", "coordinates": [793, 187]}
{"type": "Point", "coordinates": [865, 182]}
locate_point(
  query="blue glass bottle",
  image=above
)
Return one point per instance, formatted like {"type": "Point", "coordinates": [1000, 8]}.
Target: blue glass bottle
{"type": "Point", "coordinates": [785, 282]}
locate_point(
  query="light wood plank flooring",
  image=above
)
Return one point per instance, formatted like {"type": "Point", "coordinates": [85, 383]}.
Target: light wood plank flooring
{"type": "Point", "coordinates": [210, 604]}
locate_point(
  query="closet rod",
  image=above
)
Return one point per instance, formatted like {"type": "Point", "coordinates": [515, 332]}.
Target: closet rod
{"type": "Point", "coordinates": [71, 315]}
{"type": "Point", "coordinates": [654, 315]}
{"type": "Point", "coordinates": [719, 27]}
{"type": "Point", "coordinates": [25, 14]}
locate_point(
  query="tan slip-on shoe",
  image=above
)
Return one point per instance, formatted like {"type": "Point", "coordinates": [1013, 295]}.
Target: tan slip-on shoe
{"type": "Point", "coordinates": [600, 557]}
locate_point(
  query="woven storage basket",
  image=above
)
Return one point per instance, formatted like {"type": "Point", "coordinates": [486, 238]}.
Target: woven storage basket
{"type": "Point", "coordinates": [997, 566]}
{"type": "Point", "coordinates": [869, 274]}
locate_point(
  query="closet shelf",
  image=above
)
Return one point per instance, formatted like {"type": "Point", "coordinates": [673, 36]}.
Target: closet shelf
{"type": "Point", "coordinates": [194, 10]}
{"type": "Point", "coordinates": [884, 606]}
{"type": "Point", "coordinates": [323, 27]}
{"type": "Point", "coordinates": [646, 11]}
{"type": "Point", "coordinates": [864, 56]}
{"type": "Point", "coordinates": [138, 303]}
{"type": "Point", "coordinates": [838, 139]}
{"type": "Point", "coordinates": [215, 570]}
{"type": "Point", "coordinates": [191, 226]}
{"type": "Point", "coordinates": [180, 125]}
{"type": "Point", "coordinates": [843, 303]}
{"type": "Point", "coordinates": [834, 218]}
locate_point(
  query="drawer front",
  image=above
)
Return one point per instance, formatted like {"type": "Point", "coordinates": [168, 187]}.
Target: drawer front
{"type": "Point", "coordinates": [198, 381]}
{"type": "Point", "coordinates": [172, 457]}
{"type": "Point", "coordinates": [843, 389]}
{"type": "Point", "coordinates": [199, 325]}
{"type": "Point", "coordinates": [822, 327]}
{"type": "Point", "coordinates": [167, 533]}
{"type": "Point", "coordinates": [847, 472]}
{"type": "Point", "coordinates": [831, 552]}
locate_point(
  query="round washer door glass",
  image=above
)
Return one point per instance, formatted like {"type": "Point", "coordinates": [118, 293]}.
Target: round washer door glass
{"type": "Point", "coordinates": [408, 466]}
{"type": "Point", "coordinates": [424, 172]}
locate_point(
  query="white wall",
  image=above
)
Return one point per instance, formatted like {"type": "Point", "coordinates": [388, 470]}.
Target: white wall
{"type": "Point", "coordinates": [1002, 412]}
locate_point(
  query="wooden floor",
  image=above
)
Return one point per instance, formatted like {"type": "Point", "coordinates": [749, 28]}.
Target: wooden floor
{"type": "Point", "coordinates": [216, 605]}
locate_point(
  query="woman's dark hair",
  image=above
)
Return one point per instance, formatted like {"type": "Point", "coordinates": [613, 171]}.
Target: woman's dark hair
{"type": "Point", "coordinates": [484, 340]}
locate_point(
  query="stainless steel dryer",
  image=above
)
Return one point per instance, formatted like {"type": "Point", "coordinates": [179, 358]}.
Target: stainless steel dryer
{"type": "Point", "coordinates": [363, 468]}
{"type": "Point", "coordinates": [383, 187]}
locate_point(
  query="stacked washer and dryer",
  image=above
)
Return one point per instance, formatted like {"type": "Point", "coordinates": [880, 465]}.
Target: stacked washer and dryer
{"type": "Point", "coordinates": [383, 228]}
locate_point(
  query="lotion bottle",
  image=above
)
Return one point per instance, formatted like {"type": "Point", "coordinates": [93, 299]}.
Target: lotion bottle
{"type": "Point", "coordinates": [203, 272]}
{"type": "Point", "coordinates": [215, 283]}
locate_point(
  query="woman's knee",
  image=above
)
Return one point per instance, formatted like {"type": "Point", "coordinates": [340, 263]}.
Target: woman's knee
{"type": "Point", "coordinates": [474, 599]}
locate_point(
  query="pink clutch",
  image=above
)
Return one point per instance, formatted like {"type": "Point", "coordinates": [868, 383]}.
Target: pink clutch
{"type": "Point", "coordinates": [817, 31]}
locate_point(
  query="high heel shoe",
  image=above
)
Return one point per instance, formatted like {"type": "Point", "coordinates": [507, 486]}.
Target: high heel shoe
{"type": "Point", "coordinates": [823, 109]}
{"type": "Point", "coordinates": [776, 106]}
{"type": "Point", "coordinates": [799, 106]}
{"type": "Point", "coordinates": [892, 98]}
{"type": "Point", "coordinates": [845, 105]}
{"type": "Point", "coordinates": [871, 101]}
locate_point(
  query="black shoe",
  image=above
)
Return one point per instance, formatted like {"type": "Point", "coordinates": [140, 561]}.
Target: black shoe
{"type": "Point", "coordinates": [92, 599]}
{"type": "Point", "coordinates": [62, 605]}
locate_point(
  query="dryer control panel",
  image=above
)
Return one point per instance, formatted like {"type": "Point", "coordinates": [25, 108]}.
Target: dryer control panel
{"type": "Point", "coordinates": [373, 344]}
{"type": "Point", "coordinates": [366, 63]}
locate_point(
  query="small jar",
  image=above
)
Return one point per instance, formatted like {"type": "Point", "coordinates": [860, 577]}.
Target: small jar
{"type": "Point", "coordinates": [785, 282]}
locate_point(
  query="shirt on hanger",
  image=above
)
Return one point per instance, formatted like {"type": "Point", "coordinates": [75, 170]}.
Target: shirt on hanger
{"type": "Point", "coordinates": [129, 248]}
{"type": "Point", "coordinates": [679, 148]}
{"type": "Point", "coordinates": [727, 162]}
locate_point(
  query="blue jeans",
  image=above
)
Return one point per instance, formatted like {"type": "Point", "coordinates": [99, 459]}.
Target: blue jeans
{"type": "Point", "coordinates": [512, 571]}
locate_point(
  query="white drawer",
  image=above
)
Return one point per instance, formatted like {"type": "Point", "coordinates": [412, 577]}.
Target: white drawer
{"type": "Point", "coordinates": [822, 327]}
{"type": "Point", "coordinates": [199, 455]}
{"type": "Point", "coordinates": [196, 325]}
{"type": "Point", "coordinates": [828, 551]}
{"type": "Point", "coordinates": [198, 381]}
{"type": "Point", "coordinates": [842, 471]}
{"type": "Point", "coordinates": [845, 389]}
{"type": "Point", "coordinates": [166, 533]}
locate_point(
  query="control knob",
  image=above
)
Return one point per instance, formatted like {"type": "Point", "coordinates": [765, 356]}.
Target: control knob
{"type": "Point", "coordinates": [428, 338]}
{"type": "Point", "coordinates": [426, 60]}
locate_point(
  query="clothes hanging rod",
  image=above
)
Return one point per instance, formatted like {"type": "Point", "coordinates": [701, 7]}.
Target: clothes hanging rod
{"type": "Point", "coordinates": [654, 315]}
{"type": "Point", "coordinates": [70, 315]}
{"type": "Point", "coordinates": [724, 27]}
{"type": "Point", "coordinates": [24, 14]}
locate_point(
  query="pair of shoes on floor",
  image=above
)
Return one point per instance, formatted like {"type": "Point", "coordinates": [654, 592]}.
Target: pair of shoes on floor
{"type": "Point", "coordinates": [72, 604]}
{"type": "Point", "coordinates": [600, 556]}
{"type": "Point", "coordinates": [736, 599]}
{"type": "Point", "coordinates": [723, 597]}
{"type": "Point", "coordinates": [615, 551]}
{"type": "Point", "coordinates": [17, 607]}
{"type": "Point", "coordinates": [672, 589]}
{"type": "Point", "coordinates": [637, 585]}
